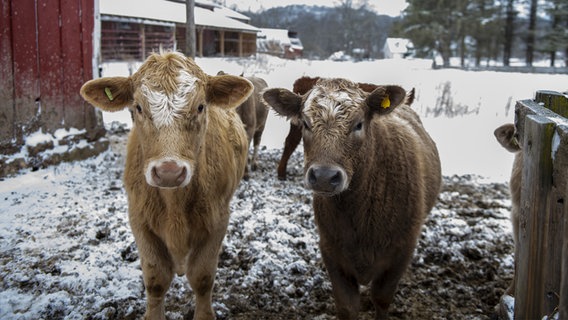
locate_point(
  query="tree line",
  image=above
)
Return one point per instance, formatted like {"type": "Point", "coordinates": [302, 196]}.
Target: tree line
{"type": "Point", "coordinates": [325, 30]}
{"type": "Point", "coordinates": [477, 31]}
{"type": "Point", "coordinates": [490, 30]}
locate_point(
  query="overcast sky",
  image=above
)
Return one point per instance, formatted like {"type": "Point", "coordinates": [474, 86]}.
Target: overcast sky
{"type": "Point", "coordinates": [388, 7]}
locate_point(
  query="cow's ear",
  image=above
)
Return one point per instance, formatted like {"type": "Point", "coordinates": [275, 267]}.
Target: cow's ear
{"type": "Point", "coordinates": [109, 94]}
{"type": "Point", "coordinates": [283, 102]}
{"type": "Point", "coordinates": [228, 91]}
{"type": "Point", "coordinates": [505, 135]}
{"type": "Point", "coordinates": [385, 99]}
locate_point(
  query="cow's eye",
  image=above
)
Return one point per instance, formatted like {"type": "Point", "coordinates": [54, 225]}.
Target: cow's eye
{"type": "Point", "coordinates": [138, 108]}
{"type": "Point", "coordinates": [200, 108]}
{"type": "Point", "coordinates": [358, 127]}
{"type": "Point", "coordinates": [306, 125]}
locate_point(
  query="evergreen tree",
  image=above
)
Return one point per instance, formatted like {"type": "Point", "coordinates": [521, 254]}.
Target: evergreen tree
{"type": "Point", "coordinates": [556, 39]}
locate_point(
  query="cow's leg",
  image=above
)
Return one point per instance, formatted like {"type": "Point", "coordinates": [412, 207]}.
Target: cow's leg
{"type": "Point", "coordinates": [250, 133]}
{"type": "Point", "coordinates": [292, 140]}
{"type": "Point", "coordinates": [345, 289]}
{"type": "Point", "coordinates": [202, 268]}
{"type": "Point", "coordinates": [157, 274]}
{"type": "Point", "coordinates": [256, 143]}
{"type": "Point", "coordinates": [384, 285]}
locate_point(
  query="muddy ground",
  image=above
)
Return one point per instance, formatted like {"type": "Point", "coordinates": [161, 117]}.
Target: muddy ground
{"type": "Point", "coordinates": [270, 266]}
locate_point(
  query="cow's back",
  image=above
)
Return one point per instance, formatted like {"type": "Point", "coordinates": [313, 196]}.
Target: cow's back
{"type": "Point", "coordinates": [422, 147]}
{"type": "Point", "coordinates": [260, 109]}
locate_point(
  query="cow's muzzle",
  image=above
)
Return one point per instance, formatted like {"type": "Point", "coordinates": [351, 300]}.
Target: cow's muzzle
{"type": "Point", "coordinates": [327, 180]}
{"type": "Point", "coordinates": [168, 173]}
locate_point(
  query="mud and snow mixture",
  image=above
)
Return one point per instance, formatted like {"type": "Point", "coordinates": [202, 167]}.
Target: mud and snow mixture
{"type": "Point", "coordinates": [66, 250]}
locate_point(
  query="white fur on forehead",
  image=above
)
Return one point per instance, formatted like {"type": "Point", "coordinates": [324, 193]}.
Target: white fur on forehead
{"type": "Point", "coordinates": [165, 109]}
{"type": "Point", "coordinates": [333, 101]}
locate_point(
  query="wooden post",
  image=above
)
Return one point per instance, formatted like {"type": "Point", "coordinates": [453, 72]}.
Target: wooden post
{"type": "Point", "coordinates": [560, 177]}
{"type": "Point", "coordinates": [222, 43]}
{"type": "Point", "coordinates": [541, 288]}
{"type": "Point", "coordinates": [240, 44]}
{"type": "Point", "coordinates": [537, 179]}
{"type": "Point", "coordinates": [190, 28]}
{"type": "Point", "coordinates": [200, 42]}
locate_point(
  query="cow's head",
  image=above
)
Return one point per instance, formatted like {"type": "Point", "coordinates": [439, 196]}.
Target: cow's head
{"type": "Point", "coordinates": [169, 97]}
{"type": "Point", "coordinates": [335, 115]}
{"type": "Point", "coordinates": [507, 136]}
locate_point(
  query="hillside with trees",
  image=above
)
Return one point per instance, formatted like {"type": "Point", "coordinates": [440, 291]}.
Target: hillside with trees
{"type": "Point", "coordinates": [325, 30]}
{"type": "Point", "coordinates": [479, 32]}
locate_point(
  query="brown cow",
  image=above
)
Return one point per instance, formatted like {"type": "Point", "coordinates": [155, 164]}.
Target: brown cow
{"type": "Point", "coordinates": [506, 136]}
{"type": "Point", "coordinates": [253, 112]}
{"type": "Point", "coordinates": [185, 157]}
{"type": "Point", "coordinates": [301, 86]}
{"type": "Point", "coordinates": [375, 174]}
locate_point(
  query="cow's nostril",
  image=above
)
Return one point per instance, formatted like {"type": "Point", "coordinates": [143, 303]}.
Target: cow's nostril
{"type": "Point", "coordinates": [312, 179]}
{"type": "Point", "coordinates": [182, 175]}
{"type": "Point", "coordinates": [336, 179]}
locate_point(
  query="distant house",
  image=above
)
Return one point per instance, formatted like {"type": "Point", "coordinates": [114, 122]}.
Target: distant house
{"type": "Point", "coordinates": [397, 48]}
{"type": "Point", "coordinates": [131, 29]}
{"type": "Point", "coordinates": [279, 42]}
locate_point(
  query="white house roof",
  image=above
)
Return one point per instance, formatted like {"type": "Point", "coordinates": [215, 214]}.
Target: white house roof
{"type": "Point", "coordinates": [280, 35]}
{"type": "Point", "coordinates": [169, 11]}
{"type": "Point", "coordinates": [398, 45]}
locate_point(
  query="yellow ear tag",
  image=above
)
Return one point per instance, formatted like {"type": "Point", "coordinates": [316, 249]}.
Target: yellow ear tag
{"type": "Point", "coordinates": [109, 94]}
{"type": "Point", "coordinates": [386, 103]}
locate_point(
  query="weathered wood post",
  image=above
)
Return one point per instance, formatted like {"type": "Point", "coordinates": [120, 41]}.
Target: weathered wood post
{"type": "Point", "coordinates": [542, 264]}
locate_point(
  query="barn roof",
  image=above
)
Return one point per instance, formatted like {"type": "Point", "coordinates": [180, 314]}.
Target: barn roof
{"type": "Point", "coordinates": [169, 11]}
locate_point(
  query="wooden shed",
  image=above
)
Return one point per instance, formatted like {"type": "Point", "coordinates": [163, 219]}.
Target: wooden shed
{"type": "Point", "coordinates": [46, 54]}
{"type": "Point", "coordinates": [131, 29]}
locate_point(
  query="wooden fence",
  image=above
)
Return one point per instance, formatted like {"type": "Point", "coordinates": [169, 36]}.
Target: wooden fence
{"type": "Point", "coordinates": [46, 54]}
{"type": "Point", "coordinates": [542, 264]}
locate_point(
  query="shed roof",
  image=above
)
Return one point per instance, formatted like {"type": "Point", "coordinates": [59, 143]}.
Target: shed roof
{"type": "Point", "coordinates": [162, 10]}
{"type": "Point", "coordinates": [398, 45]}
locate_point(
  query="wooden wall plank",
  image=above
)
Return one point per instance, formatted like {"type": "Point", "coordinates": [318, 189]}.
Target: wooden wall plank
{"type": "Point", "coordinates": [73, 64]}
{"type": "Point", "coordinates": [7, 113]}
{"type": "Point", "coordinates": [26, 71]}
{"type": "Point", "coordinates": [93, 117]}
{"type": "Point", "coordinates": [50, 65]}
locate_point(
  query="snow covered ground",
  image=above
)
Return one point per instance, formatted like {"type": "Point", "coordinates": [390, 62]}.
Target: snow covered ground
{"type": "Point", "coordinates": [66, 250]}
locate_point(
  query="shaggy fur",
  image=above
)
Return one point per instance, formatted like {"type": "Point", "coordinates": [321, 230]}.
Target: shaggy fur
{"type": "Point", "coordinates": [375, 173]}
{"type": "Point", "coordinates": [181, 172]}
{"type": "Point", "coordinates": [505, 135]}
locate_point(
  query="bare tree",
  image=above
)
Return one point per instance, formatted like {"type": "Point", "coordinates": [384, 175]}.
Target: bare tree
{"type": "Point", "coordinates": [190, 29]}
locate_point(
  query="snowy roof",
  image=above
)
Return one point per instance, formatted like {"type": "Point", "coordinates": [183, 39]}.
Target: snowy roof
{"type": "Point", "coordinates": [398, 45]}
{"type": "Point", "coordinates": [280, 35]}
{"type": "Point", "coordinates": [169, 11]}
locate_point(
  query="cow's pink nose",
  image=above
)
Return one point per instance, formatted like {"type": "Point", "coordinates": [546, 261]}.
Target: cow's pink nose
{"type": "Point", "coordinates": [169, 174]}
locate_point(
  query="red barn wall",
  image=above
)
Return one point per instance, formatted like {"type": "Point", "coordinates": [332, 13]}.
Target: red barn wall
{"type": "Point", "coordinates": [46, 50]}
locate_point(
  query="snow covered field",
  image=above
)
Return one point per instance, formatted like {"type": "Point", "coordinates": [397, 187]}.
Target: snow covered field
{"type": "Point", "coordinates": [471, 104]}
{"type": "Point", "coordinates": [66, 250]}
